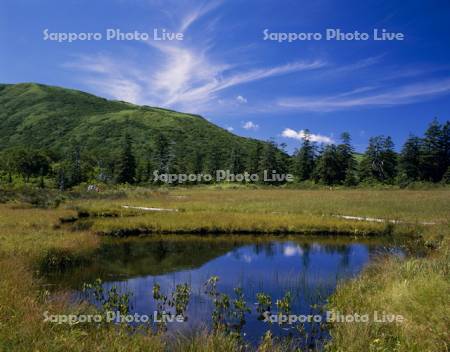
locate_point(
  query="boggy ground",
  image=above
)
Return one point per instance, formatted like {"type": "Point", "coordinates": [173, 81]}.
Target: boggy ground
{"type": "Point", "coordinates": [270, 211]}
{"type": "Point", "coordinates": [34, 239]}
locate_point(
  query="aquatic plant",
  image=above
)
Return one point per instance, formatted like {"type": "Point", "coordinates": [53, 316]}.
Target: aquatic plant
{"type": "Point", "coordinates": [111, 300]}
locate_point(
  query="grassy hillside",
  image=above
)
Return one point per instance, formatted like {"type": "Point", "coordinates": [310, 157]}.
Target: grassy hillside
{"type": "Point", "coordinates": [53, 118]}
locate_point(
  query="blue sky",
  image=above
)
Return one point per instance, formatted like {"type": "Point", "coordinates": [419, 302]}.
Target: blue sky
{"type": "Point", "coordinates": [224, 70]}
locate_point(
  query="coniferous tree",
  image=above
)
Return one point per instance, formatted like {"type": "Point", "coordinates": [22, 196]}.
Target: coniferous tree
{"type": "Point", "coordinates": [268, 159]}
{"type": "Point", "coordinates": [434, 153]}
{"type": "Point", "coordinates": [283, 159]}
{"type": "Point", "coordinates": [305, 158]}
{"type": "Point", "coordinates": [61, 179]}
{"type": "Point", "coordinates": [236, 161]}
{"type": "Point", "coordinates": [389, 159]}
{"type": "Point", "coordinates": [162, 154]}
{"type": "Point", "coordinates": [179, 158]}
{"type": "Point", "coordinates": [446, 137]}
{"type": "Point", "coordinates": [350, 177]}
{"type": "Point", "coordinates": [75, 172]}
{"type": "Point", "coordinates": [347, 162]}
{"type": "Point", "coordinates": [328, 166]}
{"type": "Point", "coordinates": [255, 159]}
{"type": "Point", "coordinates": [380, 160]}
{"type": "Point", "coordinates": [446, 177]}
{"type": "Point", "coordinates": [126, 168]}
{"type": "Point", "coordinates": [410, 159]}
{"type": "Point", "coordinates": [147, 165]}
{"type": "Point", "coordinates": [198, 162]}
{"type": "Point", "coordinates": [215, 161]}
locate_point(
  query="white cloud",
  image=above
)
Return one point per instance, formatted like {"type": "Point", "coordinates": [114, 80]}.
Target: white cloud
{"type": "Point", "coordinates": [230, 129]}
{"type": "Point", "coordinates": [113, 78]}
{"type": "Point", "coordinates": [300, 135]}
{"type": "Point", "coordinates": [182, 75]}
{"type": "Point", "coordinates": [187, 79]}
{"type": "Point", "coordinates": [187, 76]}
{"type": "Point", "coordinates": [193, 15]}
{"type": "Point", "coordinates": [356, 66]}
{"type": "Point", "coordinates": [191, 78]}
{"type": "Point", "coordinates": [249, 125]}
{"type": "Point", "coordinates": [247, 258]}
{"type": "Point", "coordinates": [290, 251]}
{"type": "Point", "coordinates": [241, 99]}
{"type": "Point", "coordinates": [406, 94]}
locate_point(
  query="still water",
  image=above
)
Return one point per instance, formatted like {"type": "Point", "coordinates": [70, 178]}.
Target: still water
{"type": "Point", "coordinates": [308, 268]}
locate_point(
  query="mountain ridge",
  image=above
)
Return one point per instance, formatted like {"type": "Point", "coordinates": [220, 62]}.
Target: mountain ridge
{"type": "Point", "coordinates": [53, 118]}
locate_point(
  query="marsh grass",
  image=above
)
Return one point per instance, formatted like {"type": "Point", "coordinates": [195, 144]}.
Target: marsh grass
{"type": "Point", "coordinates": [24, 299]}
{"type": "Point", "coordinates": [268, 211]}
{"type": "Point", "coordinates": [416, 288]}
{"type": "Point", "coordinates": [408, 205]}
{"type": "Point", "coordinates": [34, 239]}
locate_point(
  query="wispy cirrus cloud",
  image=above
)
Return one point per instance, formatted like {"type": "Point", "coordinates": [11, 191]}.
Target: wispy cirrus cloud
{"type": "Point", "coordinates": [111, 77]}
{"type": "Point", "coordinates": [196, 13]}
{"type": "Point", "coordinates": [379, 97]}
{"type": "Point", "coordinates": [184, 75]}
{"type": "Point", "coordinates": [189, 76]}
{"type": "Point", "coordinates": [186, 78]}
{"type": "Point", "coordinates": [301, 135]}
{"type": "Point", "coordinates": [348, 68]}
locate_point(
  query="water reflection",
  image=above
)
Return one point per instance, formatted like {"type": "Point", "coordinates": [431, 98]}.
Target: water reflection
{"type": "Point", "coordinates": [309, 269]}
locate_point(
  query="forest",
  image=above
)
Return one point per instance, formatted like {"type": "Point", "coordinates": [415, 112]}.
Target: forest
{"type": "Point", "coordinates": [421, 159]}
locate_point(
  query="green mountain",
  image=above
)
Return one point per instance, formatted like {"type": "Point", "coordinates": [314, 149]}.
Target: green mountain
{"type": "Point", "coordinates": [57, 119]}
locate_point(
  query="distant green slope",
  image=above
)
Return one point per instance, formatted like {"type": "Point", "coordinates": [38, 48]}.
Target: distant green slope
{"type": "Point", "coordinates": [54, 118]}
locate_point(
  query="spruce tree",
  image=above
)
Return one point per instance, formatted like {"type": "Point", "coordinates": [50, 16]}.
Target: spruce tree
{"type": "Point", "coordinates": [268, 159]}
{"type": "Point", "coordinates": [162, 154]}
{"type": "Point", "coordinates": [283, 159]}
{"type": "Point", "coordinates": [446, 138]}
{"type": "Point", "coordinates": [255, 159]}
{"type": "Point", "coordinates": [75, 172]}
{"type": "Point", "coordinates": [126, 168]}
{"type": "Point", "coordinates": [379, 161]}
{"type": "Point", "coordinates": [410, 159]}
{"type": "Point", "coordinates": [305, 158]}
{"type": "Point", "coordinates": [434, 153]}
{"type": "Point", "coordinates": [329, 166]}
{"type": "Point", "coordinates": [347, 163]}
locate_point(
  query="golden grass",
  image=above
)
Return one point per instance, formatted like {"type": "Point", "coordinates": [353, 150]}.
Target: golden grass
{"type": "Point", "coordinates": [30, 232]}
{"type": "Point", "coordinates": [268, 211]}
{"type": "Point", "coordinates": [234, 223]}
{"type": "Point", "coordinates": [23, 302]}
{"type": "Point", "coordinates": [407, 205]}
{"type": "Point", "coordinates": [416, 288]}
{"type": "Point", "coordinates": [413, 287]}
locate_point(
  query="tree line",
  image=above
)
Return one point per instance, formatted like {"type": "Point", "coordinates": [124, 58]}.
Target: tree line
{"type": "Point", "coordinates": [425, 158]}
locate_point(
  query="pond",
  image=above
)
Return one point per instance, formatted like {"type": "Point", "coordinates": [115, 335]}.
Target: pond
{"type": "Point", "coordinates": [308, 268]}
